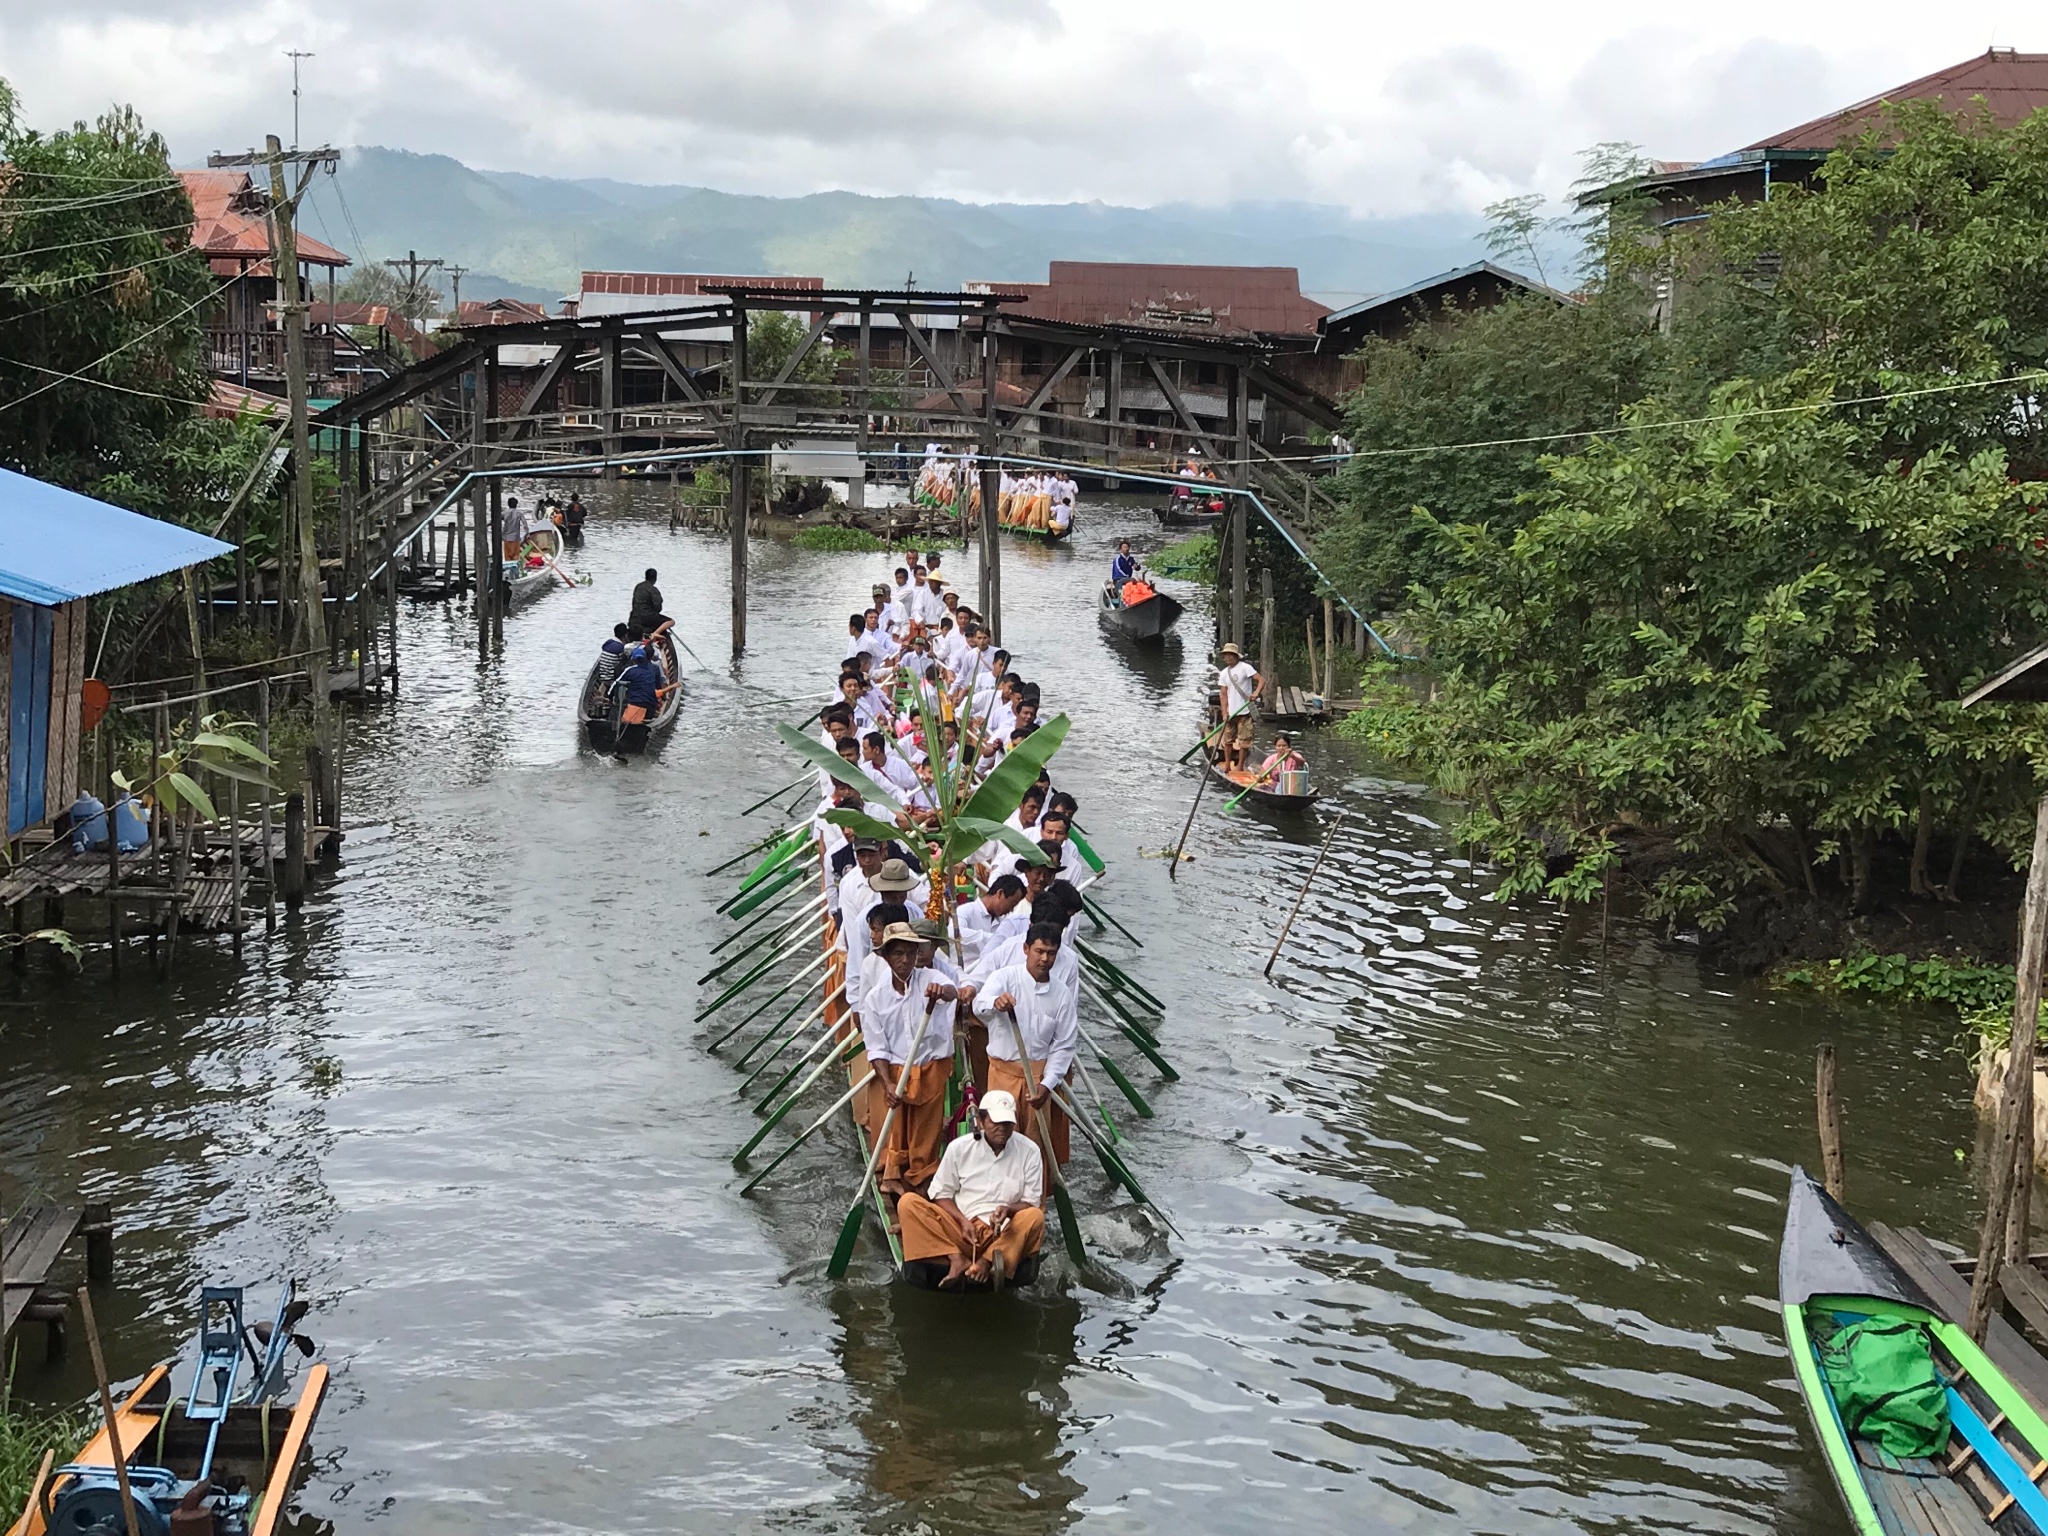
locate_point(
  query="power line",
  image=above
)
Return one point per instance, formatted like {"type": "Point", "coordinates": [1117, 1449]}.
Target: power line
{"type": "Point", "coordinates": [79, 377]}
{"type": "Point", "coordinates": [106, 239]}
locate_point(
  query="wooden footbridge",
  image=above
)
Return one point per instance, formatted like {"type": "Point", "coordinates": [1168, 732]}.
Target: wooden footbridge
{"type": "Point", "coordinates": [666, 390]}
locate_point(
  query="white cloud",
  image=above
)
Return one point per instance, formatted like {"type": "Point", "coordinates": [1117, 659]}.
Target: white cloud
{"type": "Point", "coordinates": [1381, 109]}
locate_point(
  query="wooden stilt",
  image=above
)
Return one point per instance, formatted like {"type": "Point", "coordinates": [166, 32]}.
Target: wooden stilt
{"type": "Point", "coordinates": [1828, 1107]}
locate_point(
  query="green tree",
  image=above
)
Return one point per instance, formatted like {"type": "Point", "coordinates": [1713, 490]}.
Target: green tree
{"type": "Point", "coordinates": [772, 337]}
{"type": "Point", "coordinates": [1723, 632]}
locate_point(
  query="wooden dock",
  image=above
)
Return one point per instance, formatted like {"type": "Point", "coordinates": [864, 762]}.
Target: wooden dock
{"type": "Point", "coordinates": [34, 1238]}
{"type": "Point", "coordinates": [1288, 707]}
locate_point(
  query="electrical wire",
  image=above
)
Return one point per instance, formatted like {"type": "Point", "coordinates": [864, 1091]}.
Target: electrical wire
{"type": "Point", "coordinates": [108, 238]}
{"type": "Point", "coordinates": [71, 204]}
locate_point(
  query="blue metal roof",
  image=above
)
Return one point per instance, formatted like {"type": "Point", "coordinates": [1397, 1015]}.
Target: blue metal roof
{"type": "Point", "coordinates": [56, 545]}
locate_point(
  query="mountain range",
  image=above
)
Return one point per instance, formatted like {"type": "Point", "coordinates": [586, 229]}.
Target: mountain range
{"type": "Point", "coordinates": [526, 236]}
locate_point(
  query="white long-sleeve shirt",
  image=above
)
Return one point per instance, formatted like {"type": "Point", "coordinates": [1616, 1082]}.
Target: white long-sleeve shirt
{"type": "Point", "coordinates": [1003, 954]}
{"type": "Point", "coordinates": [889, 1019]}
{"type": "Point", "coordinates": [980, 928]}
{"type": "Point", "coordinates": [1045, 1013]}
{"type": "Point", "coordinates": [851, 901]}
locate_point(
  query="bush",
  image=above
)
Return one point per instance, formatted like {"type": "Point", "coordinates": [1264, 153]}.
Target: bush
{"type": "Point", "coordinates": [1192, 559]}
{"type": "Point", "coordinates": [839, 541]}
{"type": "Point", "coordinates": [27, 1432]}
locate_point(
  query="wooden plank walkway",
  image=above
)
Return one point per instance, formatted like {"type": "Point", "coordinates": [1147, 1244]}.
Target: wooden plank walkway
{"type": "Point", "coordinates": [1288, 705]}
{"type": "Point", "coordinates": [207, 895]}
{"type": "Point", "coordinates": [30, 1245]}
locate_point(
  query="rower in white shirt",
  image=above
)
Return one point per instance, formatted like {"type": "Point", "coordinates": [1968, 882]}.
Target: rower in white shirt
{"type": "Point", "coordinates": [1026, 1005]}
{"type": "Point", "coordinates": [910, 1048]}
{"type": "Point", "coordinates": [990, 919]}
{"type": "Point", "coordinates": [853, 897]}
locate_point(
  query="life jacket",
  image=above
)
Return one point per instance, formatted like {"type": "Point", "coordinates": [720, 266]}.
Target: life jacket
{"type": "Point", "coordinates": [1136, 592]}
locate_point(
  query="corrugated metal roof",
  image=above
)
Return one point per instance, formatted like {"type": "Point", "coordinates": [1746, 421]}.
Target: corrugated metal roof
{"type": "Point", "coordinates": [1505, 276]}
{"type": "Point", "coordinates": [686, 282]}
{"type": "Point", "coordinates": [56, 545]}
{"type": "Point", "coordinates": [2013, 85]}
{"type": "Point", "coordinates": [1189, 300]}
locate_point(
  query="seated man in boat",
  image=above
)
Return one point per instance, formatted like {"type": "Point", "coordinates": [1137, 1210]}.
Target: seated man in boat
{"type": "Point", "coordinates": [1238, 689]}
{"type": "Point", "coordinates": [1124, 568]}
{"type": "Point", "coordinates": [646, 609]}
{"type": "Point", "coordinates": [982, 1214]}
{"type": "Point", "coordinates": [896, 995]}
{"type": "Point", "coordinates": [610, 657]}
{"type": "Point", "coordinates": [1031, 1016]}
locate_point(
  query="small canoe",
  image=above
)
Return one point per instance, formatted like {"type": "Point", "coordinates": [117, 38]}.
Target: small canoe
{"type": "Point", "coordinates": [598, 709]}
{"type": "Point", "coordinates": [524, 580]}
{"type": "Point", "coordinates": [1189, 514]}
{"type": "Point", "coordinates": [1267, 795]}
{"type": "Point", "coordinates": [1149, 620]}
{"type": "Point", "coordinates": [1832, 1276]}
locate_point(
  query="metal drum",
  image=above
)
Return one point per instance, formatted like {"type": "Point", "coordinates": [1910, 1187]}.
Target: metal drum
{"type": "Point", "coordinates": [1293, 781]}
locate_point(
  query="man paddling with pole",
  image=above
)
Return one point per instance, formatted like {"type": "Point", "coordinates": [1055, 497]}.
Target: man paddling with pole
{"type": "Point", "coordinates": [896, 995]}
{"type": "Point", "coordinates": [1048, 1028]}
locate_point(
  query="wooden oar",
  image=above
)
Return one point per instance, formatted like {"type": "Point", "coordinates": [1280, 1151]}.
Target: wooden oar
{"type": "Point", "coordinates": [769, 1034]}
{"type": "Point", "coordinates": [1264, 774]}
{"type": "Point", "coordinates": [1114, 1164]}
{"type": "Point", "coordinates": [1070, 1224]}
{"type": "Point", "coordinates": [849, 1048]}
{"type": "Point", "coordinates": [1127, 1027]}
{"type": "Point", "coordinates": [770, 1002]}
{"type": "Point", "coordinates": [849, 1229]}
{"type": "Point", "coordinates": [767, 842]}
{"type": "Point", "coordinates": [778, 859]}
{"type": "Point", "coordinates": [1116, 1075]}
{"type": "Point", "coordinates": [1122, 977]}
{"type": "Point", "coordinates": [737, 907]}
{"type": "Point", "coordinates": [790, 1039]}
{"type": "Point", "coordinates": [766, 799]}
{"type": "Point", "coordinates": [1173, 869]}
{"type": "Point", "coordinates": [1207, 737]}
{"type": "Point", "coordinates": [807, 911]}
{"type": "Point", "coordinates": [746, 981]}
{"type": "Point", "coordinates": [808, 1132]}
{"type": "Point", "coordinates": [1115, 1005]}
{"type": "Point", "coordinates": [1087, 1080]}
{"type": "Point", "coordinates": [1288, 926]}
{"type": "Point", "coordinates": [758, 918]}
{"type": "Point", "coordinates": [1100, 915]}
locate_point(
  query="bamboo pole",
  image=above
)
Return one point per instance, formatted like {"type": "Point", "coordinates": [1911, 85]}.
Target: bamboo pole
{"type": "Point", "coordinates": [99, 1371]}
{"type": "Point", "coordinates": [1828, 1107]}
{"type": "Point", "coordinates": [2016, 1097]}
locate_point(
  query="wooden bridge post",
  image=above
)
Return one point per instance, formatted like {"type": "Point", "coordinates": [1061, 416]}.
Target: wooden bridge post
{"type": "Point", "coordinates": [1241, 521]}
{"type": "Point", "coordinates": [857, 476]}
{"type": "Point", "coordinates": [1113, 416]}
{"type": "Point", "coordinates": [480, 461]}
{"type": "Point", "coordinates": [498, 591]}
{"type": "Point", "coordinates": [742, 466]}
{"type": "Point", "coordinates": [608, 387]}
{"type": "Point", "coordinates": [991, 489]}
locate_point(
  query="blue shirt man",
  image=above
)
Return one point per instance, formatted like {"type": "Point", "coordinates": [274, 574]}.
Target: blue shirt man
{"type": "Point", "coordinates": [1124, 567]}
{"type": "Point", "coordinates": [642, 682]}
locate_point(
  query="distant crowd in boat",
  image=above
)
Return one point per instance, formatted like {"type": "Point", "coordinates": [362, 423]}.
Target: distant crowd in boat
{"type": "Point", "coordinates": [1040, 502]}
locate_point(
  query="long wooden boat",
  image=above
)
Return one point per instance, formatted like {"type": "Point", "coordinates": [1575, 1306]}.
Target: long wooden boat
{"type": "Point", "coordinates": [1190, 514]}
{"type": "Point", "coordinates": [231, 1450]}
{"type": "Point", "coordinates": [1045, 535]}
{"type": "Point", "coordinates": [1832, 1275]}
{"type": "Point", "coordinates": [1148, 620]}
{"type": "Point", "coordinates": [598, 709]}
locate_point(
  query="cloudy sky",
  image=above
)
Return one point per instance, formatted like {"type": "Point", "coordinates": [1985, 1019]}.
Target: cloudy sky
{"type": "Point", "coordinates": [1384, 108]}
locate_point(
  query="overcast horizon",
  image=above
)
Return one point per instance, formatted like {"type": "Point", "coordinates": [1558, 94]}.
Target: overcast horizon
{"type": "Point", "coordinates": [1123, 102]}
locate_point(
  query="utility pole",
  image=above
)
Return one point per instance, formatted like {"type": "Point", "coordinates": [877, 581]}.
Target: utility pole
{"type": "Point", "coordinates": [455, 277]}
{"type": "Point", "coordinates": [309, 622]}
{"type": "Point", "coordinates": [295, 55]}
{"type": "Point", "coordinates": [412, 264]}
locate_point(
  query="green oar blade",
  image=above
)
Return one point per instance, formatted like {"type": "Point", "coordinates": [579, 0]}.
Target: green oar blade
{"type": "Point", "coordinates": [1070, 1224]}
{"type": "Point", "coordinates": [1116, 1075]}
{"type": "Point", "coordinates": [849, 1234]}
{"type": "Point", "coordinates": [1088, 855]}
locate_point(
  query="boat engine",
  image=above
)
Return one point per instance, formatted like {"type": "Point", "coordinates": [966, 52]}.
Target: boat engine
{"type": "Point", "coordinates": [89, 1504]}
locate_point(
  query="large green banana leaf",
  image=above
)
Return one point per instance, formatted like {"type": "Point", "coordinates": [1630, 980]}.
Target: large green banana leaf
{"type": "Point", "coordinates": [1003, 790]}
{"type": "Point", "coordinates": [820, 756]}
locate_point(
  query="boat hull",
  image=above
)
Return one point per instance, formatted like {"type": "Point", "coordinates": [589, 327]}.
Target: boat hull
{"type": "Point", "coordinates": [1174, 517]}
{"type": "Point", "coordinates": [598, 713]}
{"type": "Point", "coordinates": [1149, 620]}
{"type": "Point", "coordinates": [1272, 799]}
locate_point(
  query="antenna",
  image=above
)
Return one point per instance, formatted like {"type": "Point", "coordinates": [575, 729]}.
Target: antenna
{"type": "Point", "coordinates": [295, 55]}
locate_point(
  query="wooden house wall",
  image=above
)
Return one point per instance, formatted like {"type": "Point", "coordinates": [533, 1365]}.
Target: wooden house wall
{"type": "Point", "coordinates": [42, 670]}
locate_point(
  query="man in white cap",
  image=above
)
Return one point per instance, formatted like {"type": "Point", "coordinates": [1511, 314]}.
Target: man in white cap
{"type": "Point", "coordinates": [1238, 688]}
{"type": "Point", "coordinates": [983, 1215]}
{"type": "Point", "coordinates": [896, 993]}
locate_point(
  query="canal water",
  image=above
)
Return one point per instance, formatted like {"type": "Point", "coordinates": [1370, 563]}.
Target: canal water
{"type": "Point", "coordinates": [1478, 1211]}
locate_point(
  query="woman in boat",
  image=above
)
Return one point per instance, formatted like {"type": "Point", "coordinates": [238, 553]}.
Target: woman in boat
{"type": "Point", "coordinates": [1282, 759]}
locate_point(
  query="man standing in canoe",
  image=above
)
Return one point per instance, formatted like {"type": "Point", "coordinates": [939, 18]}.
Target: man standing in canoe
{"type": "Point", "coordinates": [1238, 688]}
{"type": "Point", "coordinates": [895, 993]}
{"type": "Point", "coordinates": [983, 1215]}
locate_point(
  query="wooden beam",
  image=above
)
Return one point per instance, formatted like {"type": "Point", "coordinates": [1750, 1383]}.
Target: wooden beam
{"type": "Point", "coordinates": [931, 359]}
{"type": "Point", "coordinates": [789, 367]}
{"type": "Point", "coordinates": [664, 356]}
{"type": "Point", "coordinates": [1180, 408]}
{"type": "Point", "coordinates": [563, 360]}
{"type": "Point", "coordinates": [1044, 390]}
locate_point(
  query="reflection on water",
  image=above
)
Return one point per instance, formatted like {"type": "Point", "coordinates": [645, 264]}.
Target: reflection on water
{"type": "Point", "coordinates": [1479, 1215]}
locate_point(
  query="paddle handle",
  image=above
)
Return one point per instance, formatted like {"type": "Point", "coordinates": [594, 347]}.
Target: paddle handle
{"type": "Point", "coordinates": [809, 1131]}
{"type": "Point", "coordinates": [1288, 926]}
{"type": "Point", "coordinates": [1173, 869]}
{"type": "Point", "coordinates": [1206, 736]}
{"type": "Point", "coordinates": [882, 1136]}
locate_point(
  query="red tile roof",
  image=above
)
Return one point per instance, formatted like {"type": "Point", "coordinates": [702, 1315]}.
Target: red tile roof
{"type": "Point", "coordinates": [499, 312]}
{"type": "Point", "coordinates": [2013, 86]}
{"type": "Point", "coordinates": [230, 225]}
{"type": "Point", "coordinates": [228, 400]}
{"type": "Point", "coordinates": [1200, 300]}
{"type": "Point", "coordinates": [662, 284]}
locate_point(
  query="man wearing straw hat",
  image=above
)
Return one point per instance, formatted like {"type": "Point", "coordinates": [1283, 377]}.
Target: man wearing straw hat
{"type": "Point", "coordinates": [1238, 688]}
{"type": "Point", "coordinates": [983, 1215]}
{"type": "Point", "coordinates": [895, 992]}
